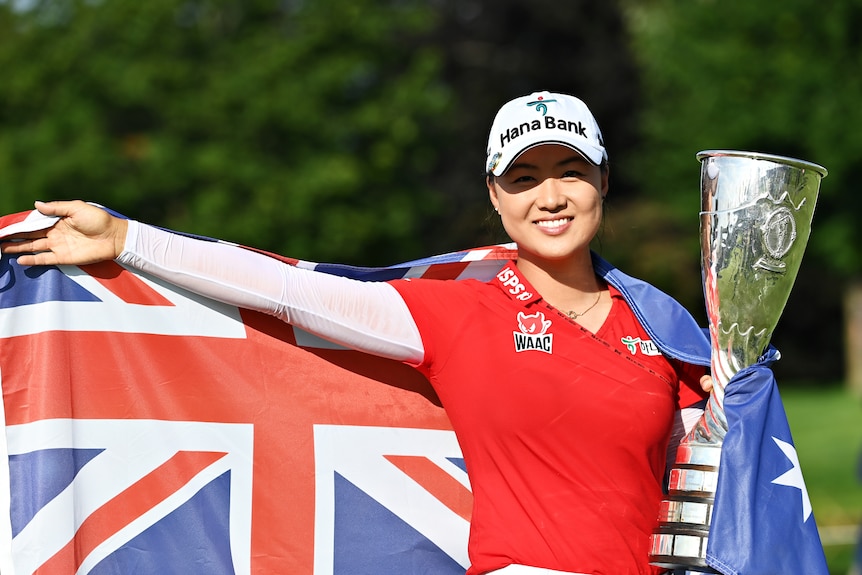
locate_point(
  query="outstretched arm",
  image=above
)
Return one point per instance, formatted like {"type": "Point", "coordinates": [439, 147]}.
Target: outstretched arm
{"type": "Point", "coordinates": [366, 316]}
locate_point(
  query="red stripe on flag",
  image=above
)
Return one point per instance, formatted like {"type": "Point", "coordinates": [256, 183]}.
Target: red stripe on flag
{"type": "Point", "coordinates": [120, 511]}
{"type": "Point", "coordinates": [13, 219]}
{"type": "Point", "coordinates": [445, 271]}
{"type": "Point", "coordinates": [285, 259]}
{"type": "Point", "coordinates": [437, 482]}
{"type": "Point", "coordinates": [125, 285]}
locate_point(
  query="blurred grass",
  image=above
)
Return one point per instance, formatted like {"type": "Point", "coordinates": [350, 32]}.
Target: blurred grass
{"type": "Point", "coordinates": [826, 422]}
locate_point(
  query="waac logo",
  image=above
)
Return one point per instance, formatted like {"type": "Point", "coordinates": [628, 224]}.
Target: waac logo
{"type": "Point", "coordinates": [533, 333]}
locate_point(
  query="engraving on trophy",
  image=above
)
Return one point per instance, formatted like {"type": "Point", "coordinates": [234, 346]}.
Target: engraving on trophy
{"type": "Point", "coordinates": [778, 234]}
{"type": "Point", "coordinates": [737, 329]}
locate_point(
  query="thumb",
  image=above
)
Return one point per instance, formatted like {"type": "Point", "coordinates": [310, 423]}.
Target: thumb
{"type": "Point", "coordinates": [59, 208]}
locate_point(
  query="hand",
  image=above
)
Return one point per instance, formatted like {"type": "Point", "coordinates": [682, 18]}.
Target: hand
{"type": "Point", "coordinates": [84, 234]}
{"type": "Point", "coordinates": [706, 383]}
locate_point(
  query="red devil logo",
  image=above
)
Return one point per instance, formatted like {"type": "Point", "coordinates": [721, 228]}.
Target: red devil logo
{"type": "Point", "coordinates": [534, 324]}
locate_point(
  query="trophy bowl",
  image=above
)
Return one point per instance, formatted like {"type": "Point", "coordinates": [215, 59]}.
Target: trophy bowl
{"type": "Point", "coordinates": [755, 221]}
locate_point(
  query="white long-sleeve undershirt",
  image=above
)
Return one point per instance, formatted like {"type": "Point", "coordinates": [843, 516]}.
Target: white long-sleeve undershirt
{"type": "Point", "coordinates": [366, 316]}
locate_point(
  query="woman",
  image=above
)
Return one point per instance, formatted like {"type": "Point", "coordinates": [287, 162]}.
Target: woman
{"type": "Point", "coordinates": [562, 399]}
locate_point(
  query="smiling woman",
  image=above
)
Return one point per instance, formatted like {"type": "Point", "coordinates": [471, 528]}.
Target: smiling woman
{"type": "Point", "coordinates": [547, 178]}
{"type": "Point", "coordinates": [566, 426]}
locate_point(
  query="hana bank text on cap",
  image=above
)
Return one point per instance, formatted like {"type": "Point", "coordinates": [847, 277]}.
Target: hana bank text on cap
{"type": "Point", "coordinates": [542, 118]}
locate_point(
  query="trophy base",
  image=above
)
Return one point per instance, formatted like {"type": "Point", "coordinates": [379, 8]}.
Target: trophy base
{"type": "Point", "coordinates": [680, 547]}
{"type": "Point", "coordinates": [680, 550]}
{"type": "Point", "coordinates": [680, 540]}
{"type": "Point", "coordinates": [687, 569]}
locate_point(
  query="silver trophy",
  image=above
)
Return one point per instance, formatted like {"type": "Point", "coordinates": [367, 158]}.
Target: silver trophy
{"type": "Point", "coordinates": [754, 226]}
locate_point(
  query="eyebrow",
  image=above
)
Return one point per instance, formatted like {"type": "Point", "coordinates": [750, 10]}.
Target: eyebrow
{"type": "Point", "coordinates": [573, 159]}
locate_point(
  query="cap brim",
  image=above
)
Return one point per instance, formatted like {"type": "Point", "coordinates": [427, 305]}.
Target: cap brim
{"type": "Point", "coordinates": [590, 153]}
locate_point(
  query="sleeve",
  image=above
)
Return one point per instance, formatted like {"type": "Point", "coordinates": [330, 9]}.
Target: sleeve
{"type": "Point", "coordinates": [441, 310]}
{"type": "Point", "coordinates": [366, 316]}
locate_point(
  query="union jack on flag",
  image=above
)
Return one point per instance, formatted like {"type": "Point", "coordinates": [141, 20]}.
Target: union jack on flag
{"type": "Point", "coordinates": [150, 430]}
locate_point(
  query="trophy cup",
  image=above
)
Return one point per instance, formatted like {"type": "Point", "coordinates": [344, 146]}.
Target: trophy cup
{"type": "Point", "coordinates": [754, 226]}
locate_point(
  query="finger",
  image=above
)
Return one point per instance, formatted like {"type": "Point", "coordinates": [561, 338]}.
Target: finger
{"type": "Point", "coordinates": [25, 235]}
{"type": "Point", "coordinates": [18, 247]}
{"type": "Point", "coordinates": [58, 208]}
{"type": "Point", "coordinates": [40, 259]}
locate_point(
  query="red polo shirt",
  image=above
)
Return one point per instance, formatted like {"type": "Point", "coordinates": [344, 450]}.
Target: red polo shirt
{"type": "Point", "coordinates": [564, 432]}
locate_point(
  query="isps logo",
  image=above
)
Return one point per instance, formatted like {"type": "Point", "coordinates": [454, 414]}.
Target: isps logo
{"type": "Point", "coordinates": [517, 289]}
{"type": "Point", "coordinates": [533, 333]}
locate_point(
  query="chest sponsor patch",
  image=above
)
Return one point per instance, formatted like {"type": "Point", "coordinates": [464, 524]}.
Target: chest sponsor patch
{"type": "Point", "coordinates": [637, 345]}
{"type": "Point", "coordinates": [532, 334]}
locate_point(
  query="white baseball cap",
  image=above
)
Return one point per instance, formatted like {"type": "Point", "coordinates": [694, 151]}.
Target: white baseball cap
{"type": "Point", "coordinates": [543, 118]}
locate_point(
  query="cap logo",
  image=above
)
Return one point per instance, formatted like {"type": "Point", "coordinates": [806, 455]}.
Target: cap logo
{"type": "Point", "coordinates": [494, 161]}
{"type": "Point", "coordinates": [549, 123]}
{"type": "Point", "coordinates": [540, 105]}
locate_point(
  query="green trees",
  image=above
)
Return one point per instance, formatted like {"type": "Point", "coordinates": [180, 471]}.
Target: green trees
{"type": "Point", "coordinates": [293, 126]}
{"type": "Point", "coordinates": [334, 130]}
{"type": "Point", "coordinates": [756, 76]}
{"type": "Point", "coordinates": [779, 78]}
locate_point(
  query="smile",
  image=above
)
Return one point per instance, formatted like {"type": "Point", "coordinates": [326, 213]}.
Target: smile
{"type": "Point", "coordinates": [553, 224]}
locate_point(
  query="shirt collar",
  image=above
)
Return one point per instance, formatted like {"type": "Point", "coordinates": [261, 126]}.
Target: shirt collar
{"type": "Point", "coordinates": [669, 325]}
{"type": "Point", "coordinates": [512, 283]}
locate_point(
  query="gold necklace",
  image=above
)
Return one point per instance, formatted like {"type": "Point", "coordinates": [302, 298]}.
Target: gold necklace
{"type": "Point", "coordinates": [576, 315]}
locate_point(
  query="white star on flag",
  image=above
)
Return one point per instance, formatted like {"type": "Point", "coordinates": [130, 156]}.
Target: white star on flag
{"type": "Point", "coordinates": [793, 477]}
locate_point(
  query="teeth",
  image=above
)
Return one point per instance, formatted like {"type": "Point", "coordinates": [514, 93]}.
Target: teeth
{"type": "Point", "coordinates": [552, 223]}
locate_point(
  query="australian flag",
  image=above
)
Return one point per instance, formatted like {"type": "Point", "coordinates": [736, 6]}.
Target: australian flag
{"type": "Point", "coordinates": [149, 430]}
{"type": "Point", "coordinates": [762, 523]}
